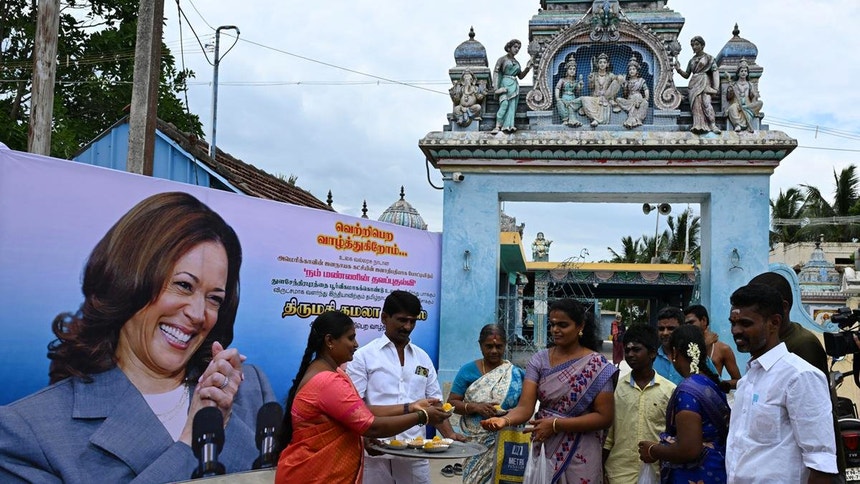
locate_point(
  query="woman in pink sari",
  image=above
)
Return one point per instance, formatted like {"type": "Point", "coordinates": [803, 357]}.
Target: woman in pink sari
{"type": "Point", "coordinates": [575, 386]}
{"type": "Point", "coordinates": [326, 419]}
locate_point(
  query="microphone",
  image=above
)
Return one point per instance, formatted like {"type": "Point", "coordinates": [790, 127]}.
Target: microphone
{"type": "Point", "coordinates": [207, 440]}
{"type": "Point", "coordinates": [269, 420]}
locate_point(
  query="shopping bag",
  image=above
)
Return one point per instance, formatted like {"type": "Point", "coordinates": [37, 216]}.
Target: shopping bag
{"type": "Point", "coordinates": [647, 475]}
{"type": "Point", "coordinates": [538, 470]}
{"type": "Point", "coordinates": [511, 454]}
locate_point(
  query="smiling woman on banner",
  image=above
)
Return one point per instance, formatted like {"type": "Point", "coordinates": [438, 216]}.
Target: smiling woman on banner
{"type": "Point", "coordinates": [484, 388]}
{"type": "Point", "coordinates": [143, 354]}
{"type": "Point", "coordinates": [575, 386]}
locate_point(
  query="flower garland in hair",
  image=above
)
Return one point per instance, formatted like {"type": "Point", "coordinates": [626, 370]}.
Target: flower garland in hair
{"type": "Point", "coordinates": [694, 353]}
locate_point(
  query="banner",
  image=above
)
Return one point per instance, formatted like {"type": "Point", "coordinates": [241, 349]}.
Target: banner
{"type": "Point", "coordinates": [297, 263]}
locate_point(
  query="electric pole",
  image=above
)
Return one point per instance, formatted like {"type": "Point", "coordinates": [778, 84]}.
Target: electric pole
{"type": "Point", "coordinates": [212, 146]}
{"type": "Point", "coordinates": [44, 74]}
{"type": "Point", "coordinates": [144, 95]}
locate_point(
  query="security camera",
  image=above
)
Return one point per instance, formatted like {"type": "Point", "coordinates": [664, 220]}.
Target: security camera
{"type": "Point", "coordinates": [457, 176]}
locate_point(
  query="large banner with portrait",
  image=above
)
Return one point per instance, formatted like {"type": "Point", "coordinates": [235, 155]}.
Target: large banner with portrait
{"type": "Point", "coordinates": [297, 263]}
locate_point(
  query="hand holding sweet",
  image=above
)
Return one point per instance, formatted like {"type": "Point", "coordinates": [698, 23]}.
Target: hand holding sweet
{"type": "Point", "coordinates": [424, 403]}
{"type": "Point", "coordinates": [484, 409]}
{"type": "Point", "coordinates": [436, 415]}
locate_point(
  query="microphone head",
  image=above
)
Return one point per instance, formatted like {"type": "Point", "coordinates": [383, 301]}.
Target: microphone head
{"type": "Point", "coordinates": [269, 419]}
{"type": "Point", "coordinates": [207, 428]}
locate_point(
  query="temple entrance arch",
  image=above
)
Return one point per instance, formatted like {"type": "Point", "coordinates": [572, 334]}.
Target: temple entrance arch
{"type": "Point", "coordinates": [626, 136]}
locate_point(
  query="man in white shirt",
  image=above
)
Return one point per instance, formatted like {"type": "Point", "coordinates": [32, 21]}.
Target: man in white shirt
{"type": "Point", "coordinates": [391, 370]}
{"type": "Point", "coordinates": [781, 427]}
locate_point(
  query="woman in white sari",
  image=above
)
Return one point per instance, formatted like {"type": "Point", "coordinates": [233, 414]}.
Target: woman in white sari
{"type": "Point", "coordinates": [485, 388]}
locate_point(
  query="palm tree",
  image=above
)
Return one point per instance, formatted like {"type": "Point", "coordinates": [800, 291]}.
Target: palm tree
{"type": "Point", "coordinates": [631, 251]}
{"type": "Point", "coordinates": [846, 197]}
{"type": "Point", "coordinates": [683, 238]}
{"type": "Point", "coordinates": [786, 206]}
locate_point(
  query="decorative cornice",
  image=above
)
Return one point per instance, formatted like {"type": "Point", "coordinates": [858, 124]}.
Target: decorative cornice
{"type": "Point", "coordinates": [602, 149]}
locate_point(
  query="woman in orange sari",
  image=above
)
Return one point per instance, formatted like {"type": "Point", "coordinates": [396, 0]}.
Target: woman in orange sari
{"type": "Point", "coordinates": [325, 418]}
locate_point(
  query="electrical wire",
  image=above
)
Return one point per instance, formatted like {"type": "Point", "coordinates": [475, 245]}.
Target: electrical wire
{"type": "Point", "coordinates": [334, 66]}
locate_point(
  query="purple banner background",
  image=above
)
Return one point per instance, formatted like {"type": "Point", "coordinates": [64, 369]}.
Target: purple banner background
{"type": "Point", "coordinates": [52, 213]}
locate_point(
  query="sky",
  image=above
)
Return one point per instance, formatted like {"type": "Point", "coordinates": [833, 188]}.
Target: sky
{"type": "Point", "coordinates": [338, 94]}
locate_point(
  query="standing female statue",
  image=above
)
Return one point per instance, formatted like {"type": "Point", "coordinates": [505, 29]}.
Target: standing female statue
{"type": "Point", "coordinates": [704, 79]}
{"type": "Point", "coordinates": [743, 98]}
{"type": "Point", "coordinates": [636, 94]}
{"type": "Point", "coordinates": [604, 86]}
{"type": "Point", "coordinates": [505, 76]}
{"type": "Point", "coordinates": [567, 92]}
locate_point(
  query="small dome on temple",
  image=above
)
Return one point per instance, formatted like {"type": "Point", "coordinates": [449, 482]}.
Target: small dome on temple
{"type": "Point", "coordinates": [402, 213]}
{"type": "Point", "coordinates": [736, 49]}
{"type": "Point", "coordinates": [471, 52]}
{"type": "Point", "coordinates": [818, 274]}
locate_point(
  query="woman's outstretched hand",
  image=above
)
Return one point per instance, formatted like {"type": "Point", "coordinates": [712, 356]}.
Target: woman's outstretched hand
{"type": "Point", "coordinates": [494, 423]}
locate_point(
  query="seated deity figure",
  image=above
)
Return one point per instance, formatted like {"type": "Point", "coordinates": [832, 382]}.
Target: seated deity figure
{"type": "Point", "coordinates": [567, 92]}
{"type": "Point", "coordinates": [540, 248]}
{"type": "Point", "coordinates": [636, 94]}
{"type": "Point", "coordinates": [604, 87]}
{"type": "Point", "coordinates": [468, 95]}
{"type": "Point", "coordinates": [744, 101]}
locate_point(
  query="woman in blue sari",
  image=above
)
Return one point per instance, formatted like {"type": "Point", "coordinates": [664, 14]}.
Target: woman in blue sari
{"type": "Point", "coordinates": [693, 448]}
{"type": "Point", "coordinates": [483, 388]}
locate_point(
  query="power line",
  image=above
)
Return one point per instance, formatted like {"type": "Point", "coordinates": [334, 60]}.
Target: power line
{"type": "Point", "coordinates": [334, 66]}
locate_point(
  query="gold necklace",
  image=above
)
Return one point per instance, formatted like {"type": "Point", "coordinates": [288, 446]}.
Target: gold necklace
{"type": "Point", "coordinates": [171, 414]}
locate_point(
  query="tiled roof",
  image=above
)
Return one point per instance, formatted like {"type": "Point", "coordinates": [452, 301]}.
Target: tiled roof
{"type": "Point", "coordinates": [249, 179]}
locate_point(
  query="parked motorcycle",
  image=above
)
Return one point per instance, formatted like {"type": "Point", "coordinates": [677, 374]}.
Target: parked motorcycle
{"type": "Point", "coordinates": [849, 426]}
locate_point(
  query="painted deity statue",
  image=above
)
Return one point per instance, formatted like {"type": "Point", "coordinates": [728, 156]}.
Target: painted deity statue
{"type": "Point", "coordinates": [506, 77]}
{"type": "Point", "coordinates": [567, 92]}
{"type": "Point", "coordinates": [744, 101]}
{"type": "Point", "coordinates": [540, 248]}
{"type": "Point", "coordinates": [604, 87]}
{"type": "Point", "coordinates": [468, 95]}
{"type": "Point", "coordinates": [636, 94]}
{"type": "Point", "coordinates": [704, 80]}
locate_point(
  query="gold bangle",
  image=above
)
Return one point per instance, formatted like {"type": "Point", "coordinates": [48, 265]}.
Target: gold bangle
{"type": "Point", "coordinates": [466, 410]}
{"type": "Point", "coordinates": [648, 452]}
{"type": "Point", "coordinates": [507, 421]}
{"type": "Point", "coordinates": [553, 425]}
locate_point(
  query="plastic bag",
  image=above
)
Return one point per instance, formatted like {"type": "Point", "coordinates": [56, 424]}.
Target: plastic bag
{"type": "Point", "coordinates": [537, 468]}
{"type": "Point", "coordinates": [512, 449]}
{"type": "Point", "coordinates": [647, 475]}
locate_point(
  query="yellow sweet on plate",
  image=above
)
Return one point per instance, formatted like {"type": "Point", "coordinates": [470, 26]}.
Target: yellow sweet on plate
{"type": "Point", "coordinates": [447, 407]}
{"type": "Point", "coordinates": [436, 438]}
{"type": "Point", "coordinates": [396, 443]}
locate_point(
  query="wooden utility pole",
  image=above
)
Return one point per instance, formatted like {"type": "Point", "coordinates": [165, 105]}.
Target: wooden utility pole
{"type": "Point", "coordinates": [44, 73]}
{"type": "Point", "coordinates": [144, 95]}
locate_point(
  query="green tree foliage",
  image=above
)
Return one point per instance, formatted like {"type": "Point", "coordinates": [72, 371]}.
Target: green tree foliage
{"type": "Point", "coordinates": [846, 195]}
{"type": "Point", "coordinates": [677, 248]}
{"type": "Point", "coordinates": [672, 247]}
{"type": "Point", "coordinates": [94, 76]}
{"type": "Point", "coordinates": [632, 251]}
{"type": "Point", "coordinates": [788, 205]}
